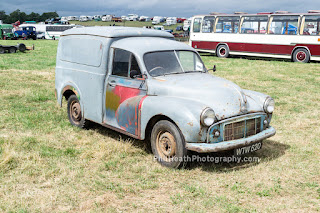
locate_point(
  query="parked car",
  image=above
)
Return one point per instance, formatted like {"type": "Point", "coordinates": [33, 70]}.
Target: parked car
{"type": "Point", "coordinates": [26, 32]}
{"type": "Point", "coordinates": [41, 35]}
{"type": "Point", "coordinates": [159, 91]}
{"type": "Point", "coordinates": [179, 28]}
{"type": "Point", "coordinates": [168, 30]}
{"type": "Point", "coordinates": [158, 27]}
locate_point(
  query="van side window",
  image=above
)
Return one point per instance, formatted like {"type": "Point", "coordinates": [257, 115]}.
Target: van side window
{"type": "Point", "coordinates": [120, 65]}
{"type": "Point", "coordinates": [134, 64]}
{"type": "Point", "coordinates": [122, 60]}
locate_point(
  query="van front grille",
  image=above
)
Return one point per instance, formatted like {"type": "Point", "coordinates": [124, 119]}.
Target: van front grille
{"type": "Point", "coordinates": [242, 129]}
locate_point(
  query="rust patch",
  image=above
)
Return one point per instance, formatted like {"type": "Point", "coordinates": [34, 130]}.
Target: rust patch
{"type": "Point", "coordinates": [190, 124]}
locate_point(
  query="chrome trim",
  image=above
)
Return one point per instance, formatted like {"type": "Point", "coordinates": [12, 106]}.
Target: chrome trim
{"type": "Point", "coordinates": [228, 145]}
{"type": "Point", "coordinates": [237, 118]}
{"type": "Point", "coordinates": [203, 113]}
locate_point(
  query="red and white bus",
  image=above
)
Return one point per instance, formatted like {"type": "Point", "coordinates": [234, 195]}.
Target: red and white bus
{"type": "Point", "coordinates": [280, 35]}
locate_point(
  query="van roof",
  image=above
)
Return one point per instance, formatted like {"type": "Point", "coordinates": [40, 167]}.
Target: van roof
{"type": "Point", "coordinates": [141, 45]}
{"type": "Point", "coordinates": [114, 32]}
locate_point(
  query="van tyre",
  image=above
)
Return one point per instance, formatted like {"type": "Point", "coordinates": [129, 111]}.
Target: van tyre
{"type": "Point", "coordinates": [75, 113]}
{"type": "Point", "coordinates": [168, 145]}
{"type": "Point", "coordinates": [223, 51]}
{"type": "Point", "coordinates": [301, 55]}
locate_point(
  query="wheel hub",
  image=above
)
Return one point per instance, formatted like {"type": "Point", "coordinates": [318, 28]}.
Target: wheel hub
{"type": "Point", "coordinates": [76, 111]}
{"type": "Point", "coordinates": [166, 145]}
{"type": "Point", "coordinates": [222, 51]}
{"type": "Point", "coordinates": [301, 56]}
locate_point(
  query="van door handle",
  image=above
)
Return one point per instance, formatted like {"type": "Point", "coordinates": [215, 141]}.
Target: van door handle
{"type": "Point", "coordinates": [112, 83]}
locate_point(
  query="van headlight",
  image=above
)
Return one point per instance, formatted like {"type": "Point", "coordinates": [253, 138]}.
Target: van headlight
{"type": "Point", "coordinates": [269, 105]}
{"type": "Point", "coordinates": [207, 117]}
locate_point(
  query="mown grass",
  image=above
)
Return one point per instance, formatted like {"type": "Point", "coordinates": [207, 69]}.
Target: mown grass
{"type": "Point", "coordinates": [48, 165]}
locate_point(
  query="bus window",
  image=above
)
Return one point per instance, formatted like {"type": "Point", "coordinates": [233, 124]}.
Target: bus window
{"type": "Point", "coordinates": [196, 25]}
{"type": "Point", "coordinates": [254, 24]}
{"type": "Point", "coordinates": [284, 25]}
{"type": "Point", "coordinates": [208, 23]}
{"type": "Point", "coordinates": [228, 24]}
{"type": "Point", "coordinates": [311, 25]}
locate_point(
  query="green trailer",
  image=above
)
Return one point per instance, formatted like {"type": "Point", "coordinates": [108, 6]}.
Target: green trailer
{"type": "Point", "coordinates": [6, 31]}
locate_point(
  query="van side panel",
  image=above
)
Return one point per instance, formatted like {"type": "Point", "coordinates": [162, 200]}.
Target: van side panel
{"type": "Point", "coordinates": [81, 64]}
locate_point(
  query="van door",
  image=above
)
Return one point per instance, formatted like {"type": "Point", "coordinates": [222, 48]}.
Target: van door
{"type": "Point", "coordinates": [124, 93]}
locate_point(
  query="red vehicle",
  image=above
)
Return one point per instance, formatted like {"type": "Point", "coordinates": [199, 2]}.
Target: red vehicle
{"type": "Point", "coordinates": [181, 20]}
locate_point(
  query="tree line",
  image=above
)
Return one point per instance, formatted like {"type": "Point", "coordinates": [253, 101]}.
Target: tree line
{"type": "Point", "coordinates": [17, 15]}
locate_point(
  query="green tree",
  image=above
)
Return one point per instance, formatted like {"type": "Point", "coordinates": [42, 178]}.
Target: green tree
{"type": "Point", "coordinates": [33, 17]}
{"type": "Point", "coordinates": [3, 16]}
{"type": "Point", "coordinates": [48, 15]}
{"type": "Point", "coordinates": [17, 15]}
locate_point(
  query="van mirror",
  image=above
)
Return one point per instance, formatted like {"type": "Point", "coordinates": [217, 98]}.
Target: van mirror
{"type": "Point", "coordinates": [135, 74]}
{"type": "Point", "coordinates": [214, 68]}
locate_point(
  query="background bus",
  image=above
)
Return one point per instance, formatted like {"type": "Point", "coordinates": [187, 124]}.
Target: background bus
{"type": "Point", "coordinates": [280, 35]}
{"type": "Point", "coordinates": [51, 31]}
{"type": "Point", "coordinates": [6, 31]}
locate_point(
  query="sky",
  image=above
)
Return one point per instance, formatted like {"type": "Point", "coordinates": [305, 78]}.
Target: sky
{"type": "Point", "coordinates": [178, 8]}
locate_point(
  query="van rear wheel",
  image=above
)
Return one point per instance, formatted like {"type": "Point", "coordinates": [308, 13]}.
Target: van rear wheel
{"type": "Point", "coordinates": [168, 145]}
{"type": "Point", "coordinates": [74, 112]}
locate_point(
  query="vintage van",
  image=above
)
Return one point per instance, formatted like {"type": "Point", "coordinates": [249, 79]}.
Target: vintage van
{"type": "Point", "coordinates": [142, 83]}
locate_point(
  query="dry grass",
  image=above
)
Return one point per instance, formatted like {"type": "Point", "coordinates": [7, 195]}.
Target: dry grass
{"type": "Point", "coordinates": [48, 165]}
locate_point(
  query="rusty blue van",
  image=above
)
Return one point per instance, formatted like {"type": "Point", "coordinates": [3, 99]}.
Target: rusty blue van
{"type": "Point", "coordinates": [143, 83]}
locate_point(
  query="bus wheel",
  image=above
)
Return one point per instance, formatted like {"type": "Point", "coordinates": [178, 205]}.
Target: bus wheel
{"type": "Point", "coordinates": [2, 50]}
{"type": "Point", "coordinates": [53, 38]}
{"type": "Point", "coordinates": [168, 144]}
{"type": "Point", "coordinates": [223, 51]}
{"type": "Point", "coordinates": [301, 55]}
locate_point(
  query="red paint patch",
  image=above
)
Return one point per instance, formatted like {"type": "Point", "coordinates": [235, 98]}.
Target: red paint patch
{"type": "Point", "coordinates": [125, 92]}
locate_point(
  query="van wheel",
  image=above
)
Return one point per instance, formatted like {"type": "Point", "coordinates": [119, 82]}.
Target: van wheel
{"type": "Point", "coordinates": [74, 112]}
{"type": "Point", "coordinates": [223, 51]}
{"type": "Point", "coordinates": [301, 55]}
{"type": "Point", "coordinates": [168, 145]}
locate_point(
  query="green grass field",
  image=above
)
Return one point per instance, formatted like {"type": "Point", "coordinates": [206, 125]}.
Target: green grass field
{"type": "Point", "coordinates": [47, 165]}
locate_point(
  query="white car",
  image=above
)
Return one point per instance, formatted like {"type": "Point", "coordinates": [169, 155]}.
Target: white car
{"type": "Point", "coordinates": [41, 35]}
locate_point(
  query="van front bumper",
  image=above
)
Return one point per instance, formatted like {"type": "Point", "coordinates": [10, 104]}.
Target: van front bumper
{"type": "Point", "coordinates": [228, 145]}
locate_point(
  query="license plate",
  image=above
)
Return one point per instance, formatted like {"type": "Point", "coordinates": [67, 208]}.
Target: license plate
{"type": "Point", "coordinates": [248, 149]}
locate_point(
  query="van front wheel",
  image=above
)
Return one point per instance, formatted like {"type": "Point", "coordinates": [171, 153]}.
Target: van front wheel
{"type": "Point", "coordinates": [168, 145]}
{"type": "Point", "coordinates": [74, 112]}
